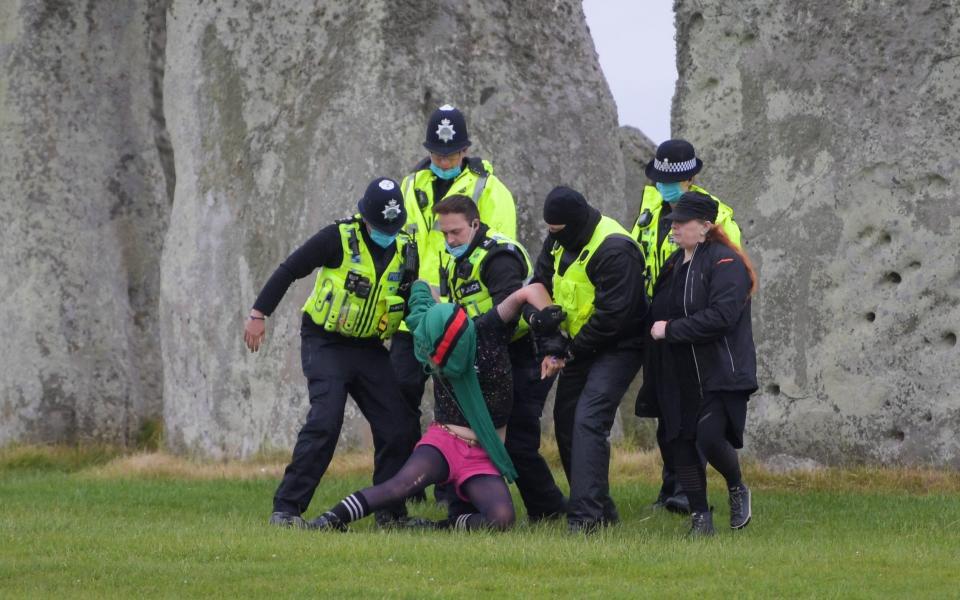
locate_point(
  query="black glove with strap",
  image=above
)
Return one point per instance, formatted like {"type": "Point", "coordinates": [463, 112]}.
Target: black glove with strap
{"type": "Point", "coordinates": [547, 320]}
{"type": "Point", "coordinates": [553, 344]}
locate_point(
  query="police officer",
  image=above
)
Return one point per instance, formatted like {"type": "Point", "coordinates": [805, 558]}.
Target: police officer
{"type": "Point", "coordinates": [481, 268]}
{"type": "Point", "coordinates": [594, 271]}
{"type": "Point", "coordinates": [447, 171]}
{"type": "Point", "coordinates": [672, 173]}
{"type": "Point", "coordinates": [357, 302]}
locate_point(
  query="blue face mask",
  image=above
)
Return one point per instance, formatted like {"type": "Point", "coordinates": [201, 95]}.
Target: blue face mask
{"type": "Point", "coordinates": [671, 192]}
{"type": "Point", "coordinates": [382, 239]}
{"type": "Point", "coordinates": [445, 174]}
{"type": "Point", "coordinates": [457, 251]}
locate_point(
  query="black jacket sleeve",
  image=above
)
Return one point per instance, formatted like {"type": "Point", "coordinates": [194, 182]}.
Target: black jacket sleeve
{"type": "Point", "coordinates": [543, 268]}
{"type": "Point", "coordinates": [503, 274]}
{"type": "Point", "coordinates": [616, 271]}
{"type": "Point", "coordinates": [324, 249]}
{"type": "Point", "coordinates": [542, 273]}
{"type": "Point", "coordinates": [728, 285]}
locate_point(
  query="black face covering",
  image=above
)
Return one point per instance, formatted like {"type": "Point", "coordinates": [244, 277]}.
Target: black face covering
{"type": "Point", "coordinates": [568, 207]}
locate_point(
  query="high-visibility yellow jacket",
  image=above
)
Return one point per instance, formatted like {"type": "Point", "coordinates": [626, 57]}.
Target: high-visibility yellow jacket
{"type": "Point", "coordinates": [350, 299]}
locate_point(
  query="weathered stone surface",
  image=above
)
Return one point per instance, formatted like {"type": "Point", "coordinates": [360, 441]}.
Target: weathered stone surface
{"type": "Point", "coordinates": [637, 150]}
{"type": "Point", "coordinates": [84, 208]}
{"type": "Point", "coordinates": [784, 463]}
{"type": "Point", "coordinates": [282, 111]}
{"type": "Point", "coordinates": [832, 128]}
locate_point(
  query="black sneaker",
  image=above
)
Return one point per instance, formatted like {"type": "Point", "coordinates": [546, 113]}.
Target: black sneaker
{"type": "Point", "coordinates": [678, 504]}
{"type": "Point", "coordinates": [327, 522]}
{"type": "Point", "coordinates": [740, 508]}
{"type": "Point", "coordinates": [285, 519]}
{"type": "Point", "coordinates": [701, 524]}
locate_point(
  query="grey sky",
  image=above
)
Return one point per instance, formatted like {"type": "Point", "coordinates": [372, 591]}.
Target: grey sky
{"type": "Point", "coordinates": [634, 39]}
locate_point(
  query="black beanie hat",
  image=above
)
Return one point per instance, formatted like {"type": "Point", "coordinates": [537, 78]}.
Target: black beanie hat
{"type": "Point", "coordinates": [565, 206]}
{"type": "Point", "coordinates": [382, 206]}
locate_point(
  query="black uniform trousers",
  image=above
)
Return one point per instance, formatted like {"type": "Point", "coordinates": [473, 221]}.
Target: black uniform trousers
{"type": "Point", "coordinates": [541, 496]}
{"type": "Point", "coordinates": [335, 367]}
{"type": "Point", "coordinates": [588, 395]}
{"type": "Point", "coordinates": [411, 377]}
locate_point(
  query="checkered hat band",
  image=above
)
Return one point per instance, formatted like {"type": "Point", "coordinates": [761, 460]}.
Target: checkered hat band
{"type": "Point", "coordinates": [668, 167]}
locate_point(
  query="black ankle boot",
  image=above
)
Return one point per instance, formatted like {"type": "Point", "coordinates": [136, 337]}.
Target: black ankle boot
{"type": "Point", "coordinates": [740, 508]}
{"type": "Point", "coordinates": [678, 503]}
{"type": "Point", "coordinates": [701, 524]}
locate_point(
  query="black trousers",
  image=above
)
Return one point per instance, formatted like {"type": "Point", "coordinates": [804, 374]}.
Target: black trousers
{"type": "Point", "coordinates": [588, 394]}
{"type": "Point", "coordinates": [409, 373]}
{"type": "Point", "coordinates": [541, 496]}
{"type": "Point", "coordinates": [333, 369]}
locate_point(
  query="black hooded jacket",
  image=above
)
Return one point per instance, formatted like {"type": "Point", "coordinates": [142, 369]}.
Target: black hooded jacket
{"type": "Point", "coordinates": [715, 326]}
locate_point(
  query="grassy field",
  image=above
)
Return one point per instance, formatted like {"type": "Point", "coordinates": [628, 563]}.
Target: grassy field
{"type": "Point", "coordinates": [89, 522]}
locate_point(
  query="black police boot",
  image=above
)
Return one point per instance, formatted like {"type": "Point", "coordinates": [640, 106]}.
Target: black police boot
{"type": "Point", "coordinates": [610, 514]}
{"type": "Point", "coordinates": [661, 502]}
{"type": "Point", "coordinates": [584, 527]}
{"type": "Point", "coordinates": [740, 508]}
{"type": "Point", "coordinates": [285, 519]}
{"type": "Point", "coordinates": [678, 504]}
{"type": "Point", "coordinates": [327, 522]}
{"type": "Point", "coordinates": [701, 524]}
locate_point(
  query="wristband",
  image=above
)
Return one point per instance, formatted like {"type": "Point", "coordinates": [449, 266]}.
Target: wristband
{"type": "Point", "coordinates": [253, 318]}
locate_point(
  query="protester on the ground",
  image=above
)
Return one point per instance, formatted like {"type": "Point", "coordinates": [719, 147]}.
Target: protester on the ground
{"type": "Point", "coordinates": [464, 446]}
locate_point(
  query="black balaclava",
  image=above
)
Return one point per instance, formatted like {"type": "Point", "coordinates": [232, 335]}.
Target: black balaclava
{"type": "Point", "coordinates": [568, 207]}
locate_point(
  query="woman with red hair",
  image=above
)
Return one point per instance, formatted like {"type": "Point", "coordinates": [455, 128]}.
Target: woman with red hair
{"type": "Point", "coordinates": [702, 366]}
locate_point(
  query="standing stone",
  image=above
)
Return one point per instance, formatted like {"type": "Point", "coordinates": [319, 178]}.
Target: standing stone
{"type": "Point", "coordinates": [833, 128]}
{"type": "Point", "coordinates": [281, 112]}
{"type": "Point", "coordinates": [85, 203]}
{"type": "Point", "coordinates": [637, 150]}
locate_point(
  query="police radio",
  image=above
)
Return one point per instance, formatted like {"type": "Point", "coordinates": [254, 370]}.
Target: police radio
{"type": "Point", "coordinates": [357, 284]}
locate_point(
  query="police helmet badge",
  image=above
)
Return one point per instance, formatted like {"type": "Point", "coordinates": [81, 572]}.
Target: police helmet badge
{"type": "Point", "coordinates": [445, 131]}
{"type": "Point", "coordinates": [392, 210]}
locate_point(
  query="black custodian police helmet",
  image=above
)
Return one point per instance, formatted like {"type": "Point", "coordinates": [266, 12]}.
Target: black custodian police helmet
{"type": "Point", "coordinates": [446, 131]}
{"type": "Point", "coordinates": [382, 206]}
{"type": "Point", "coordinates": [676, 160]}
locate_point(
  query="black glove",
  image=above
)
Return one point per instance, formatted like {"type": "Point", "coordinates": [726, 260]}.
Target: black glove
{"type": "Point", "coordinates": [546, 321]}
{"type": "Point", "coordinates": [553, 344]}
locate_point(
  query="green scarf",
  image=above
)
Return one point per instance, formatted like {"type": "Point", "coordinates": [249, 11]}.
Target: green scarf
{"type": "Point", "coordinates": [445, 342]}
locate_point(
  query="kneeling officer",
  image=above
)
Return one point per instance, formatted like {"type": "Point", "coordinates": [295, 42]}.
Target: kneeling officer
{"type": "Point", "coordinates": [357, 303]}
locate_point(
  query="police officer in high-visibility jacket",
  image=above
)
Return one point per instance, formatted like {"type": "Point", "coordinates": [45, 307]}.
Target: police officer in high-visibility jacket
{"type": "Point", "coordinates": [594, 271]}
{"type": "Point", "coordinates": [672, 172]}
{"type": "Point", "coordinates": [447, 171]}
{"type": "Point", "coordinates": [358, 301]}
{"type": "Point", "coordinates": [481, 268]}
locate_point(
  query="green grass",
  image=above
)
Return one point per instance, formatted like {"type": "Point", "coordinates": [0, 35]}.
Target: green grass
{"type": "Point", "coordinates": [72, 525]}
